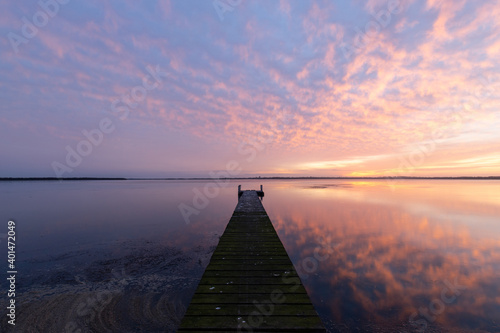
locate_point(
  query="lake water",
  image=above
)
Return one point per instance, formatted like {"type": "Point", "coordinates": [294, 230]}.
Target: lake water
{"type": "Point", "coordinates": [374, 256]}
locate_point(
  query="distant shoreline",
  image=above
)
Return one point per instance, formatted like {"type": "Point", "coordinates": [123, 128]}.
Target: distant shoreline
{"type": "Point", "coordinates": [244, 178]}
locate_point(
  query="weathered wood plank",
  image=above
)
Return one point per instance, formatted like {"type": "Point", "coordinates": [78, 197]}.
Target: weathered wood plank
{"type": "Point", "coordinates": [251, 298]}
{"type": "Point", "coordinates": [255, 273]}
{"type": "Point", "coordinates": [295, 323]}
{"type": "Point", "coordinates": [232, 310]}
{"type": "Point", "coordinates": [248, 288]}
{"type": "Point", "coordinates": [210, 280]}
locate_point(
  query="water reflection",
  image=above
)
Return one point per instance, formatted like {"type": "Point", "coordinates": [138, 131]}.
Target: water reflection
{"type": "Point", "coordinates": [370, 254]}
{"type": "Point", "coordinates": [107, 256]}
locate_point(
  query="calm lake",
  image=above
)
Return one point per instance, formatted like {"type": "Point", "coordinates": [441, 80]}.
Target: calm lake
{"type": "Point", "coordinates": [374, 256]}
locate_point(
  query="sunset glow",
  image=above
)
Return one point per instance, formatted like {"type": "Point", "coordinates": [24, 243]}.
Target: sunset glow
{"type": "Point", "coordinates": [271, 88]}
{"type": "Point", "coordinates": [392, 249]}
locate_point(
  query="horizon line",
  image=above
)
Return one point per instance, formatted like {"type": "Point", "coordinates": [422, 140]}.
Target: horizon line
{"type": "Point", "coordinates": [246, 178]}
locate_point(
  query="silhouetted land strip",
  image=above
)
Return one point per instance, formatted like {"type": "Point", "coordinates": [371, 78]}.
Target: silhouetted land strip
{"type": "Point", "coordinates": [241, 178]}
{"type": "Point", "coordinates": [250, 284]}
{"type": "Point", "coordinates": [54, 178]}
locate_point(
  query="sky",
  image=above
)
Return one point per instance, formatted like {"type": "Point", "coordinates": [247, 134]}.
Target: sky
{"type": "Point", "coordinates": [208, 88]}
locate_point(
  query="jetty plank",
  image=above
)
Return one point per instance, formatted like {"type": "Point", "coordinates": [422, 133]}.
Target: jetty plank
{"type": "Point", "coordinates": [250, 284]}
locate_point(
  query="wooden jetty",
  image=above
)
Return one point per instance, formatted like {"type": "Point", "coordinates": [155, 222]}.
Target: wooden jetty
{"type": "Point", "coordinates": [250, 284]}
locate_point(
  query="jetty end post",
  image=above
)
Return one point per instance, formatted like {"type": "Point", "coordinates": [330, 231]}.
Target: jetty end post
{"type": "Point", "coordinates": [260, 193]}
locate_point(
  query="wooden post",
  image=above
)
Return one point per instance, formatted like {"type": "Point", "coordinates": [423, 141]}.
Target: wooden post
{"type": "Point", "coordinates": [261, 192]}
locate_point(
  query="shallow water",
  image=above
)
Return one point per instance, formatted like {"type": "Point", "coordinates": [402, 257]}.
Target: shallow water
{"type": "Point", "coordinates": [408, 255]}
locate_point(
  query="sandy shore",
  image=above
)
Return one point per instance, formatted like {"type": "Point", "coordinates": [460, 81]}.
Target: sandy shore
{"type": "Point", "coordinates": [144, 288]}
